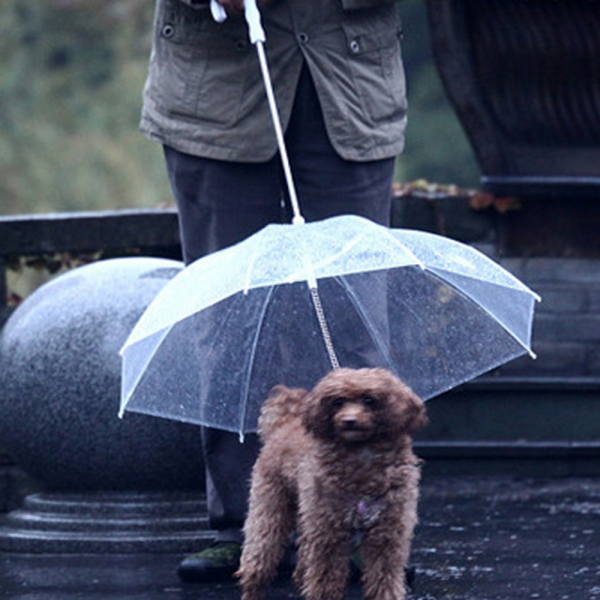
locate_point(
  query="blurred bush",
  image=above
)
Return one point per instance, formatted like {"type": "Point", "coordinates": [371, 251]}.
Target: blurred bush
{"type": "Point", "coordinates": [70, 93]}
{"type": "Point", "coordinates": [436, 146]}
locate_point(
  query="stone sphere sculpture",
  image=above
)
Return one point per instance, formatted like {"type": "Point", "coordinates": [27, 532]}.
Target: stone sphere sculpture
{"type": "Point", "coordinates": [60, 386]}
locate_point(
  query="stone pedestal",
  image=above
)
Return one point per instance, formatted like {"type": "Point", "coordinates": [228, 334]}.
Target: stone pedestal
{"type": "Point", "coordinates": [111, 522]}
{"type": "Point", "coordinates": [108, 484]}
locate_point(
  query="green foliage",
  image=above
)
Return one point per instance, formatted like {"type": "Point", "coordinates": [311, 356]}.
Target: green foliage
{"type": "Point", "coordinates": [70, 97]}
{"type": "Point", "coordinates": [436, 146]}
{"type": "Point", "coordinates": [70, 94]}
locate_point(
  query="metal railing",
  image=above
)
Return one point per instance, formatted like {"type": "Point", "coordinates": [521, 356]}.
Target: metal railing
{"type": "Point", "coordinates": [150, 232]}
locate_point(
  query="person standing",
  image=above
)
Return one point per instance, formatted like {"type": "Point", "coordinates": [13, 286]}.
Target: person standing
{"type": "Point", "coordinates": [338, 78]}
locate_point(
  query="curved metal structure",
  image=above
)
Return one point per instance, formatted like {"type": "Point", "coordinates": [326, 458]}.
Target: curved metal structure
{"type": "Point", "coordinates": [524, 78]}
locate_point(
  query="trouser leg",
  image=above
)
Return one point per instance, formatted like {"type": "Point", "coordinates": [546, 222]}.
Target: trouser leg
{"type": "Point", "coordinates": [228, 467]}
{"type": "Point", "coordinates": [220, 204]}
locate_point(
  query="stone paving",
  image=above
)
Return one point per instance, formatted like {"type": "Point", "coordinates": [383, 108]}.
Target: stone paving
{"type": "Point", "coordinates": [480, 538]}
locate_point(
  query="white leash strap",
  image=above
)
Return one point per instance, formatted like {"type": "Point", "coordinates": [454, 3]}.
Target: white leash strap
{"type": "Point", "coordinates": [258, 38]}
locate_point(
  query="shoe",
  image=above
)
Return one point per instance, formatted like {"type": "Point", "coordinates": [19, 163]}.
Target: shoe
{"type": "Point", "coordinates": [216, 563]}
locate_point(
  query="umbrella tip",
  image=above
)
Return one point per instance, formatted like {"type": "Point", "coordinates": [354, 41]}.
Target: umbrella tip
{"type": "Point", "coordinates": [298, 220]}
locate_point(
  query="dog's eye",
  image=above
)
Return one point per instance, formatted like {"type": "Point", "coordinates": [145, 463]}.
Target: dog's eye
{"type": "Point", "coordinates": [370, 402]}
{"type": "Point", "coordinates": [338, 402]}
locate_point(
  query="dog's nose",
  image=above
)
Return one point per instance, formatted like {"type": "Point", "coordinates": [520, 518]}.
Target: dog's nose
{"type": "Point", "coordinates": [349, 423]}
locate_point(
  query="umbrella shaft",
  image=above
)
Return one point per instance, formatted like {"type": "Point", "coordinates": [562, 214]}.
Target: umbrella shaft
{"type": "Point", "coordinates": [264, 67]}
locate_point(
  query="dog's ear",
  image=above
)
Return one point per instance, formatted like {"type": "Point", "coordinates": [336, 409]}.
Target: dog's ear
{"type": "Point", "coordinates": [414, 413]}
{"type": "Point", "coordinates": [282, 404]}
{"type": "Point", "coordinates": [314, 415]}
{"type": "Point", "coordinates": [406, 410]}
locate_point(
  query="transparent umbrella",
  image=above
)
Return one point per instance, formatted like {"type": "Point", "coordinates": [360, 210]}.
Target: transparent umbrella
{"type": "Point", "coordinates": [293, 301]}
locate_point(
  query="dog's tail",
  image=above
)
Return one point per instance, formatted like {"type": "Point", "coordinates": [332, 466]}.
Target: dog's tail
{"type": "Point", "coordinates": [282, 403]}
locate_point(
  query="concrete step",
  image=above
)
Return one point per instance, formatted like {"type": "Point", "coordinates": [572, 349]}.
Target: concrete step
{"type": "Point", "coordinates": [494, 409]}
{"type": "Point", "coordinates": [520, 458]}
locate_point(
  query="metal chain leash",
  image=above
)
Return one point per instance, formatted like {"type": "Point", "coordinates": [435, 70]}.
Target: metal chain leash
{"type": "Point", "coordinates": [314, 292]}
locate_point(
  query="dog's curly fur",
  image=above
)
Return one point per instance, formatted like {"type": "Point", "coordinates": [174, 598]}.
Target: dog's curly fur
{"type": "Point", "coordinates": [336, 462]}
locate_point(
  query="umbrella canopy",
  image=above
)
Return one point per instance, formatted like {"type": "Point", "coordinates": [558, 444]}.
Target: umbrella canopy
{"type": "Point", "coordinates": [291, 301]}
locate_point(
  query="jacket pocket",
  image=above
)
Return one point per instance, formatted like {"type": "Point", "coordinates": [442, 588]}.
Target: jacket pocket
{"type": "Point", "coordinates": [195, 68]}
{"type": "Point", "coordinates": [375, 59]}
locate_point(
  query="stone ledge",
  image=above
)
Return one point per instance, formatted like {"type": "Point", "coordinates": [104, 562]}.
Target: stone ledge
{"type": "Point", "coordinates": [519, 459]}
{"type": "Point", "coordinates": [529, 383]}
{"type": "Point", "coordinates": [23, 235]}
{"type": "Point", "coordinates": [547, 450]}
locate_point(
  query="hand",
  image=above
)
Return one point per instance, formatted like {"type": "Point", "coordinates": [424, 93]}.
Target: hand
{"type": "Point", "coordinates": [234, 8]}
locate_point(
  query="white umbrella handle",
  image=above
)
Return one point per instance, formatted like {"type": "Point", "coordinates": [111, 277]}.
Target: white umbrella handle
{"type": "Point", "coordinates": [255, 28]}
{"type": "Point", "coordinates": [219, 14]}
{"type": "Point", "coordinates": [258, 38]}
{"type": "Point", "coordinates": [256, 32]}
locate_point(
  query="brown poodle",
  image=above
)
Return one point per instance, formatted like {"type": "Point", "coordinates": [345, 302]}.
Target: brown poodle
{"type": "Point", "coordinates": [337, 464]}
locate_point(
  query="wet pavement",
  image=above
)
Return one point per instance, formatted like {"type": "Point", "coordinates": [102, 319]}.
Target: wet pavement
{"type": "Point", "coordinates": [479, 539]}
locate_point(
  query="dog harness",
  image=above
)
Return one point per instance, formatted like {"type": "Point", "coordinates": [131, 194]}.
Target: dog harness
{"type": "Point", "coordinates": [366, 513]}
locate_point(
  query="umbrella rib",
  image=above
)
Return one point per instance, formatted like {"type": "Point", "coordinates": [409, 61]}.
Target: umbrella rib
{"type": "Point", "coordinates": [252, 354]}
{"type": "Point", "coordinates": [405, 249]}
{"type": "Point", "coordinates": [325, 261]}
{"type": "Point", "coordinates": [141, 371]}
{"type": "Point", "coordinates": [366, 320]}
{"type": "Point", "coordinates": [249, 271]}
{"type": "Point", "coordinates": [483, 309]}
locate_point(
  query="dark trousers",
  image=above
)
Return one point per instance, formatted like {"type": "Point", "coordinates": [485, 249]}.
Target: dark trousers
{"type": "Point", "coordinates": [221, 203]}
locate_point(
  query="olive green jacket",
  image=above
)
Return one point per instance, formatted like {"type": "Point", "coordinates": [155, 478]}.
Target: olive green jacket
{"type": "Point", "coordinates": [204, 93]}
